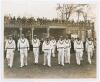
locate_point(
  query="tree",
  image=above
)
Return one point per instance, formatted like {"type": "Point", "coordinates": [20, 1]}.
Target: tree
{"type": "Point", "coordinates": [68, 9]}
{"type": "Point", "coordinates": [84, 13]}
{"type": "Point", "coordinates": [85, 16]}
{"type": "Point", "coordinates": [78, 14]}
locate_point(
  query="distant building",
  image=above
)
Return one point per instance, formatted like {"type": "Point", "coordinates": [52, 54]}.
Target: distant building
{"type": "Point", "coordinates": [82, 30]}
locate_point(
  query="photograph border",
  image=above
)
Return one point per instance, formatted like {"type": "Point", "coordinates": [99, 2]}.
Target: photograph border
{"type": "Point", "coordinates": [53, 80]}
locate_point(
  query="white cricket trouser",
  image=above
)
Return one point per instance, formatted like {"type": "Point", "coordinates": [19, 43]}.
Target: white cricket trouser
{"type": "Point", "coordinates": [79, 54]}
{"type": "Point", "coordinates": [23, 57]}
{"type": "Point", "coordinates": [61, 56]}
{"type": "Point", "coordinates": [53, 51]}
{"type": "Point", "coordinates": [10, 57]}
{"type": "Point", "coordinates": [90, 54]}
{"type": "Point", "coordinates": [47, 57]}
{"type": "Point", "coordinates": [67, 55]}
{"type": "Point", "coordinates": [36, 54]}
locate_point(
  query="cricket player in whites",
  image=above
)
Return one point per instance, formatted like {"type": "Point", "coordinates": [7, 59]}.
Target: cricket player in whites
{"type": "Point", "coordinates": [78, 46]}
{"type": "Point", "coordinates": [23, 47]}
{"type": "Point", "coordinates": [46, 48]}
{"type": "Point", "coordinates": [60, 49]}
{"type": "Point", "coordinates": [36, 44]}
{"type": "Point", "coordinates": [89, 49]}
{"type": "Point", "coordinates": [10, 48]}
{"type": "Point", "coordinates": [67, 47]}
{"type": "Point", "coordinates": [53, 43]}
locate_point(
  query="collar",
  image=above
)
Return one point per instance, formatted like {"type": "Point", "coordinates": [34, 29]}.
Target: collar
{"type": "Point", "coordinates": [47, 43]}
{"type": "Point", "coordinates": [53, 41]}
{"type": "Point", "coordinates": [67, 41]}
{"type": "Point", "coordinates": [78, 42]}
{"type": "Point", "coordinates": [90, 42]}
{"type": "Point", "coordinates": [35, 40]}
{"type": "Point", "coordinates": [61, 42]}
{"type": "Point", "coordinates": [10, 41]}
{"type": "Point", "coordinates": [22, 40]}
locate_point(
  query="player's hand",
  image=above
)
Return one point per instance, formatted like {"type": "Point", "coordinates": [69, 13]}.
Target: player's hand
{"type": "Point", "coordinates": [28, 51]}
{"type": "Point", "coordinates": [42, 51]}
{"type": "Point", "coordinates": [18, 50]}
{"type": "Point", "coordinates": [13, 50]}
{"type": "Point", "coordinates": [74, 50]}
{"type": "Point", "coordinates": [5, 50]}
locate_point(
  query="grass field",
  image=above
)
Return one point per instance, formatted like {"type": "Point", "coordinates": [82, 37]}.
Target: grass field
{"type": "Point", "coordinates": [85, 70]}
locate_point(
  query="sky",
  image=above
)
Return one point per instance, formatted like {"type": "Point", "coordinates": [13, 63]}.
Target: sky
{"type": "Point", "coordinates": [30, 8]}
{"type": "Point", "coordinates": [36, 8]}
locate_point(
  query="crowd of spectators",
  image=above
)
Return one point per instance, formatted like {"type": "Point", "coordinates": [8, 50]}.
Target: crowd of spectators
{"type": "Point", "coordinates": [43, 21]}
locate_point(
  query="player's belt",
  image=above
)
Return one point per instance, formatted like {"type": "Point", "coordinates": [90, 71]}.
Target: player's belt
{"type": "Point", "coordinates": [47, 49]}
{"type": "Point", "coordinates": [35, 47]}
{"type": "Point", "coordinates": [10, 48]}
{"type": "Point", "coordinates": [23, 47]}
{"type": "Point", "coordinates": [60, 47]}
{"type": "Point", "coordinates": [67, 47]}
{"type": "Point", "coordinates": [89, 47]}
{"type": "Point", "coordinates": [79, 48]}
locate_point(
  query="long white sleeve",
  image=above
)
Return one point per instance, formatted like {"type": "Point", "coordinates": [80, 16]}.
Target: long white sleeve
{"type": "Point", "coordinates": [43, 46]}
{"type": "Point", "coordinates": [93, 45]}
{"type": "Point", "coordinates": [6, 45]}
{"type": "Point", "coordinates": [57, 44]}
{"type": "Point", "coordinates": [82, 45]}
{"type": "Point", "coordinates": [14, 45]}
{"type": "Point", "coordinates": [86, 44]}
{"type": "Point", "coordinates": [27, 44]}
{"type": "Point", "coordinates": [70, 44]}
{"type": "Point", "coordinates": [74, 45]}
{"type": "Point", "coordinates": [38, 42]}
{"type": "Point", "coordinates": [18, 45]}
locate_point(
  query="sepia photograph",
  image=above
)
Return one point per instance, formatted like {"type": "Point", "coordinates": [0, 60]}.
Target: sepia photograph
{"type": "Point", "coordinates": [49, 39]}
